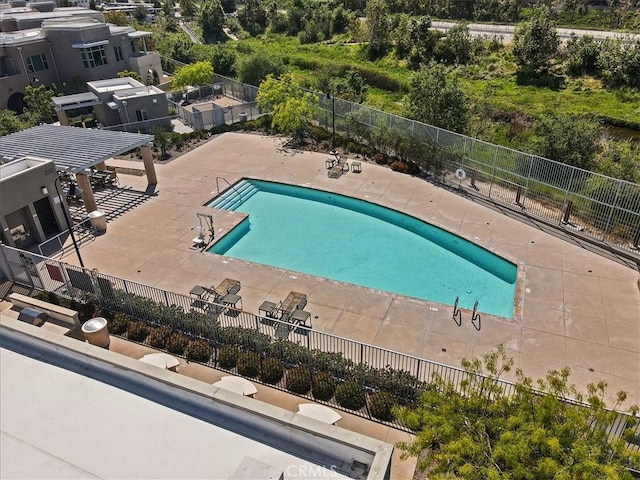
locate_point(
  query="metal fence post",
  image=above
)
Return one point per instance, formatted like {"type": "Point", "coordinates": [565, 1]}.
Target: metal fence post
{"type": "Point", "coordinates": [613, 207]}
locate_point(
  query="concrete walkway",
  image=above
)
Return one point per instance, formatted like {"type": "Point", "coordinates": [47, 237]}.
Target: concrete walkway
{"type": "Point", "coordinates": [573, 307]}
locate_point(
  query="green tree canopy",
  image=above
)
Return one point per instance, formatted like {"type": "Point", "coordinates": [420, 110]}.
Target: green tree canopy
{"type": "Point", "coordinates": [574, 140]}
{"type": "Point", "coordinates": [212, 20]}
{"type": "Point", "coordinates": [188, 8]}
{"type": "Point", "coordinates": [10, 122]}
{"type": "Point", "coordinates": [129, 73]}
{"type": "Point", "coordinates": [255, 68]}
{"type": "Point", "coordinates": [290, 106]}
{"type": "Point", "coordinates": [474, 431]}
{"type": "Point", "coordinates": [378, 31]}
{"type": "Point", "coordinates": [536, 42]}
{"type": "Point", "coordinates": [437, 100]}
{"type": "Point", "coordinates": [37, 104]}
{"type": "Point", "coordinates": [199, 73]}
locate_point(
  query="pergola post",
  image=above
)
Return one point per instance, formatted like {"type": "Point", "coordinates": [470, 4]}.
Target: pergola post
{"type": "Point", "coordinates": [87, 192]}
{"type": "Point", "coordinates": [149, 167]}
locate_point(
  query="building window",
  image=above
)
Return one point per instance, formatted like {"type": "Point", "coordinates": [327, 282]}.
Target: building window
{"type": "Point", "coordinates": [142, 115]}
{"type": "Point", "coordinates": [7, 67]}
{"type": "Point", "coordinates": [118, 51]}
{"type": "Point", "coordinates": [37, 63]}
{"type": "Point", "coordinates": [93, 56]}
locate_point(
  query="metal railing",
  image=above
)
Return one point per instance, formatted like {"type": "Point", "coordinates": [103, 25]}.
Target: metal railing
{"type": "Point", "coordinates": [56, 245]}
{"type": "Point", "coordinates": [222, 325]}
{"type": "Point", "coordinates": [603, 209]}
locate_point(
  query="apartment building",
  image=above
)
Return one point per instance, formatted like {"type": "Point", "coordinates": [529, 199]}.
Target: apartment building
{"type": "Point", "coordinates": [67, 48]}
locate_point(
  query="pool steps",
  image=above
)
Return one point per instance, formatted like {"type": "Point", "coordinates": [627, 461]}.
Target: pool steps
{"type": "Point", "coordinates": [233, 197]}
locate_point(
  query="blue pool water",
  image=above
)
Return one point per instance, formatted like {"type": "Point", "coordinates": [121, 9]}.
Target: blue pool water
{"type": "Point", "coordinates": [354, 241]}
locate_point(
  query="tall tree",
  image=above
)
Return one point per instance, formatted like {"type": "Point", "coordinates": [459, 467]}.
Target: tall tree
{"type": "Point", "coordinates": [37, 104]}
{"type": "Point", "coordinates": [212, 20]}
{"type": "Point", "coordinates": [188, 8]}
{"type": "Point", "coordinates": [536, 42]}
{"type": "Point", "coordinates": [290, 106]}
{"type": "Point", "coordinates": [378, 32]}
{"type": "Point", "coordinates": [200, 73]}
{"type": "Point", "coordinates": [436, 100]}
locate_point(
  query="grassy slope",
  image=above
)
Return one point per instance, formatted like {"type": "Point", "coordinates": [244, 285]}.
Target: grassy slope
{"type": "Point", "coordinates": [584, 95]}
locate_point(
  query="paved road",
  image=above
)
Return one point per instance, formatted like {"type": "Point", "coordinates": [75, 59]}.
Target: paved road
{"type": "Point", "coordinates": [194, 38]}
{"type": "Point", "coordinates": [506, 31]}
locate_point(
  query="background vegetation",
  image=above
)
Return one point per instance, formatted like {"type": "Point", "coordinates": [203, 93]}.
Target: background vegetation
{"type": "Point", "coordinates": [533, 95]}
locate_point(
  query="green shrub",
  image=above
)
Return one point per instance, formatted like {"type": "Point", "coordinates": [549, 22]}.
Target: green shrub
{"type": "Point", "coordinates": [351, 395]}
{"type": "Point", "coordinates": [272, 371]}
{"type": "Point", "coordinates": [176, 343]}
{"type": "Point", "coordinates": [298, 380]}
{"type": "Point", "coordinates": [48, 297]}
{"type": "Point", "coordinates": [198, 351]}
{"type": "Point", "coordinates": [228, 357]}
{"type": "Point", "coordinates": [331, 362]}
{"type": "Point", "coordinates": [324, 386]}
{"type": "Point", "coordinates": [381, 405]}
{"type": "Point", "coordinates": [137, 331]}
{"type": "Point", "coordinates": [119, 324]}
{"type": "Point", "coordinates": [248, 364]}
{"type": "Point", "coordinates": [289, 352]}
{"type": "Point", "coordinates": [158, 337]}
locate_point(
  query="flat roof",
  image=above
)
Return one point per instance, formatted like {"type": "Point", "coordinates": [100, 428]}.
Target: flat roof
{"type": "Point", "coordinates": [78, 427]}
{"type": "Point", "coordinates": [72, 148]}
{"type": "Point", "coordinates": [99, 414]}
{"type": "Point", "coordinates": [78, 100]}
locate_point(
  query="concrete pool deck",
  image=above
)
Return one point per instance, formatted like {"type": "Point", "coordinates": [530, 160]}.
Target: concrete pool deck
{"type": "Point", "coordinates": [573, 306]}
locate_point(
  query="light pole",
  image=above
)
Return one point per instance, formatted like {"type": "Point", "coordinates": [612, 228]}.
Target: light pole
{"type": "Point", "coordinates": [126, 111]}
{"type": "Point", "coordinates": [333, 119]}
{"type": "Point", "coordinates": [68, 220]}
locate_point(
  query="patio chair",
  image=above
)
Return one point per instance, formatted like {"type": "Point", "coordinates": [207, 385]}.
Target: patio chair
{"type": "Point", "coordinates": [299, 316]}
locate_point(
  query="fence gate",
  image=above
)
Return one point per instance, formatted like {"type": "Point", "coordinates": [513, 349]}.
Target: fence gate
{"type": "Point", "coordinates": [22, 268]}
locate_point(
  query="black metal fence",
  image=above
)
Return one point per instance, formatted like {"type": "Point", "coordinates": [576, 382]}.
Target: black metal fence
{"type": "Point", "coordinates": [405, 376]}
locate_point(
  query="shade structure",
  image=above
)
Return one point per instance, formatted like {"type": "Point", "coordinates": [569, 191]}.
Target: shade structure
{"type": "Point", "coordinates": [319, 412]}
{"type": "Point", "coordinates": [237, 385]}
{"type": "Point", "coordinates": [161, 360]}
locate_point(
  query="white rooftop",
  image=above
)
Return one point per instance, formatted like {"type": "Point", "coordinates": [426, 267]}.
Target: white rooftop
{"type": "Point", "coordinates": [72, 410]}
{"type": "Point", "coordinates": [113, 84]}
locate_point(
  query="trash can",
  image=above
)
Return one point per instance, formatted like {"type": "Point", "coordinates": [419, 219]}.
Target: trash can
{"type": "Point", "coordinates": [98, 221]}
{"type": "Point", "coordinates": [242, 116]}
{"type": "Point", "coordinates": [96, 333]}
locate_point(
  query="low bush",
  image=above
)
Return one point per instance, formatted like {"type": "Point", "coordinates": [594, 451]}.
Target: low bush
{"type": "Point", "coordinates": [228, 357]}
{"type": "Point", "coordinates": [48, 297]}
{"type": "Point", "coordinates": [298, 380]}
{"type": "Point", "coordinates": [248, 364]}
{"type": "Point", "coordinates": [351, 395]}
{"type": "Point", "coordinates": [324, 386]}
{"type": "Point", "coordinates": [198, 351]}
{"type": "Point", "coordinates": [272, 371]}
{"type": "Point", "coordinates": [137, 331]}
{"type": "Point", "coordinates": [381, 405]}
{"type": "Point", "coordinates": [158, 337]}
{"type": "Point", "coordinates": [119, 324]}
{"type": "Point", "coordinates": [176, 343]}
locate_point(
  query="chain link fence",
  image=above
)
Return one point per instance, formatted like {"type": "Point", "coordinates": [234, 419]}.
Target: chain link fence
{"type": "Point", "coordinates": [405, 376]}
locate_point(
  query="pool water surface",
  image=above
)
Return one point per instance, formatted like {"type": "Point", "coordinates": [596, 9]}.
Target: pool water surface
{"type": "Point", "coordinates": [354, 241]}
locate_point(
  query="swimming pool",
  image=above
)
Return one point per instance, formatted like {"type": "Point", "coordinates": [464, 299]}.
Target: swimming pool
{"type": "Point", "coordinates": [354, 241]}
